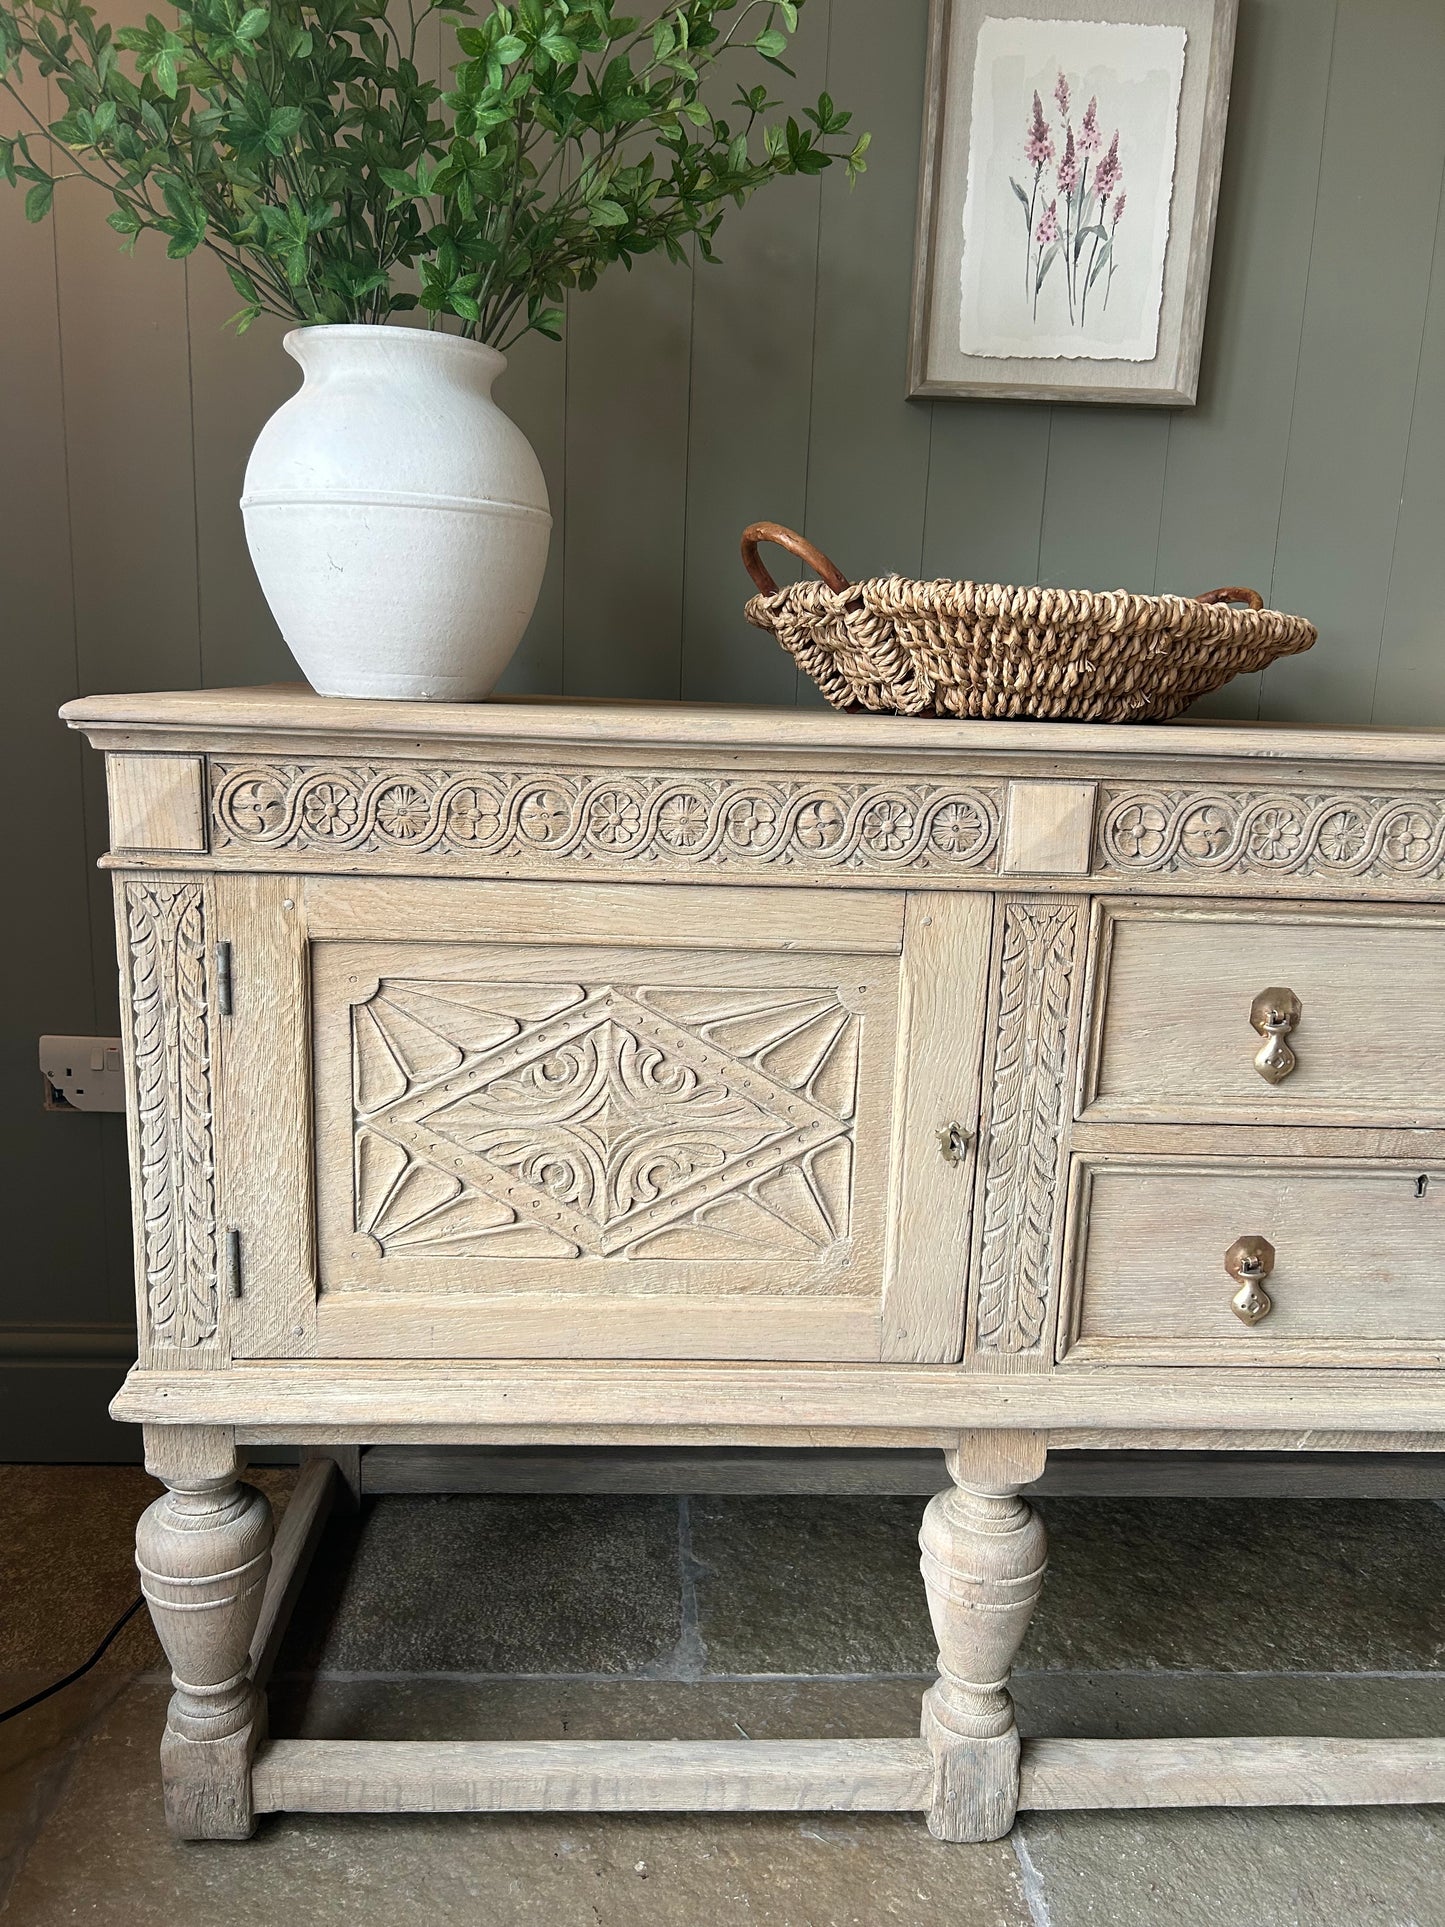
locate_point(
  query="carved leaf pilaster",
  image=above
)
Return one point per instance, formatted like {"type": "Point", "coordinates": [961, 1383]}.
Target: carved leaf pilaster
{"type": "Point", "coordinates": [176, 1179]}
{"type": "Point", "coordinates": [1028, 1112]}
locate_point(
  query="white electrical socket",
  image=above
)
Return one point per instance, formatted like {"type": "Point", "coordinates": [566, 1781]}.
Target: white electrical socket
{"type": "Point", "coordinates": [82, 1073]}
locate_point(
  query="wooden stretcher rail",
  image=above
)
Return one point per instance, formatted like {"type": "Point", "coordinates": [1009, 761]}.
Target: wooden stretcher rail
{"type": "Point", "coordinates": [592, 1776]}
{"type": "Point", "coordinates": [855, 1776]}
{"type": "Point", "coordinates": [296, 1540]}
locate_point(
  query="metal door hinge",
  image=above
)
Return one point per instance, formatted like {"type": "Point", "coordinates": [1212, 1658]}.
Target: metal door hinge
{"type": "Point", "coordinates": [233, 1262]}
{"type": "Point", "coordinates": [223, 978]}
{"type": "Point", "coordinates": [953, 1143]}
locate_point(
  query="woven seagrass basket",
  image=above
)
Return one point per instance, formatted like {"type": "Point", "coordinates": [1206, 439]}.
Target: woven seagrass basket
{"type": "Point", "coordinates": [982, 649]}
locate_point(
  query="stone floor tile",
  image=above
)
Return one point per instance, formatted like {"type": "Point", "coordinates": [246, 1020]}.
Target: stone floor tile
{"type": "Point", "coordinates": [1238, 1585]}
{"type": "Point", "coordinates": [1259, 1867]}
{"type": "Point", "coordinates": [68, 1553]}
{"type": "Point", "coordinates": [35, 1749]}
{"type": "Point", "coordinates": [807, 1585]}
{"type": "Point", "coordinates": [1154, 1705]}
{"type": "Point", "coordinates": [626, 1709]}
{"type": "Point", "coordinates": [493, 1585]}
{"type": "Point", "coordinates": [104, 1858]}
{"type": "Point", "coordinates": [1054, 1704]}
{"type": "Point", "coordinates": [800, 1585]}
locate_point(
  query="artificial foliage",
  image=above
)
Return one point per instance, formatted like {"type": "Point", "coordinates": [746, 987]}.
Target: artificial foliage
{"type": "Point", "coordinates": [348, 160]}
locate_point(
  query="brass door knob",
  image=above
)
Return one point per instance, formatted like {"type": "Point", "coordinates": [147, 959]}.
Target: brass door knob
{"type": "Point", "coordinates": [1274, 1014]}
{"type": "Point", "coordinates": [1249, 1261]}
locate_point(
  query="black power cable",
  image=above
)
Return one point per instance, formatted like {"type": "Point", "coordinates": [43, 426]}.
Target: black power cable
{"type": "Point", "coordinates": [59, 1685]}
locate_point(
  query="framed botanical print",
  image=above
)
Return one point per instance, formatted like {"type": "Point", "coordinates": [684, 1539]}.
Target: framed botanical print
{"type": "Point", "coordinates": [1070, 178]}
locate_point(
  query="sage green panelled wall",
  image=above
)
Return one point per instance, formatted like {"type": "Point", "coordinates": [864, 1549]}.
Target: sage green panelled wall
{"type": "Point", "coordinates": [680, 408]}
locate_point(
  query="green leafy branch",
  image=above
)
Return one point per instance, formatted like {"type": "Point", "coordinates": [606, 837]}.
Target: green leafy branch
{"type": "Point", "coordinates": [302, 143]}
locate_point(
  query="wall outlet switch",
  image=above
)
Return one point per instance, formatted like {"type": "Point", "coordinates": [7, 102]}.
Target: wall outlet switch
{"type": "Point", "coordinates": [82, 1073]}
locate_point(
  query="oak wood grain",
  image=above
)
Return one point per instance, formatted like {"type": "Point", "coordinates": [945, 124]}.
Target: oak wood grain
{"type": "Point", "coordinates": [396, 1397]}
{"type": "Point", "coordinates": [1172, 1040]}
{"type": "Point", "coordinates": [597, 1776]}
{"type": "Point", "coordinates": [661, 1142]}
{"type": "Point", "coordinates": [1267, 1772]}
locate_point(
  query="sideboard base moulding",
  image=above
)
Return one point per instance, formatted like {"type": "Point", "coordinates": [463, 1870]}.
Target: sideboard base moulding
{"type": "Point", "coordinates": [584, 1075]}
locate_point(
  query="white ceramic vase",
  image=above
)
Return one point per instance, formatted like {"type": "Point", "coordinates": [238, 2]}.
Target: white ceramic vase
{"type": "Point", "coordinates": [397, 520]}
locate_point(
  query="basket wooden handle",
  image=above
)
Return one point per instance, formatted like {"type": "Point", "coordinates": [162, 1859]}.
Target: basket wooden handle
{"type": "Point", "coordinates": [1251, 596]}
{"type": "Point", "coordinates": [787, 539]}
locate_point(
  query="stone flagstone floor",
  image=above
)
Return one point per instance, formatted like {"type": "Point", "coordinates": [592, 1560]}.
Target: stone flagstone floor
{"type": "Point", "coordinates": [771, 1617]}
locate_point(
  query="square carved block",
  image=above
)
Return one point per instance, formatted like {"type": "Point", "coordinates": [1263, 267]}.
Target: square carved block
{"type": "Point", "coordinates": [157, 803]}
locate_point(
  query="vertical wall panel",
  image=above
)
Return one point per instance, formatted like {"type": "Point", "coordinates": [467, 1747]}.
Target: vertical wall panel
{"type": "Point", "coordinates": [128, 424]}
{"type": "Point", "coordinates": [1359, 354]}
{"type": "Point", "coordinates": [131, 479]}
{"type": "Point", "coordinates": [628, 348]}
{"type": "Point", "coordinates": [53, 1163]}
{"type": "Point", "coordinates": [1101, 499]}
{"type": "Point", "coordinates": [986, 477]}
{"type": "Point", "coordinates": [1225, 471]}
{"type": "Point", "coordinates": [868, 453]}
{"type": "Point", "coordinates": [752, 351]}
{"type": "Point", "coordinates": [237, 383]}
{"type": "Point", "coordinates": [1411, 685]}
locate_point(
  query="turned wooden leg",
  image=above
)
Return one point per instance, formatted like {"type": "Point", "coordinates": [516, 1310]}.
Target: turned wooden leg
{"type": "Point", "coordinates": [983, 1565]}
{"type": "Point", "coordinates": [204, 1549]}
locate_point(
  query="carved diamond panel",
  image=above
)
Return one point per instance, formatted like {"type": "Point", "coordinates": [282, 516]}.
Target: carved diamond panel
{"type": "Point", "coordinates": [563, 1120]}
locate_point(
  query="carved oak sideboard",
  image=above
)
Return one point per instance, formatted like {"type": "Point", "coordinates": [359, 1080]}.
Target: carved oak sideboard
{"type": "Point", "coordinates": [616, 1075]}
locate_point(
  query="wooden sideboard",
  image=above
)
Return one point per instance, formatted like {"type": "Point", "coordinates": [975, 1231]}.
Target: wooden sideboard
{"type": "Point", "coordinates": [562, 1073]}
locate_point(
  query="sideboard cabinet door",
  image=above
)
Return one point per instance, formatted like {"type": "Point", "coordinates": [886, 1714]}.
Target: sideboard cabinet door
{"type": "Point", "coordinates": [629, 1121]}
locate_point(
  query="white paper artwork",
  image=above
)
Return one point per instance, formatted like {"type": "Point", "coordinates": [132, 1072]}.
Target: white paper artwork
{"type": "Point", "coordinates": [1070, 172]}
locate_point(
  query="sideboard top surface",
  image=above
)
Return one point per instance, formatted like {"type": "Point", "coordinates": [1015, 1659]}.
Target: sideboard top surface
{"type": "Point", "coordinates": [208, 717]}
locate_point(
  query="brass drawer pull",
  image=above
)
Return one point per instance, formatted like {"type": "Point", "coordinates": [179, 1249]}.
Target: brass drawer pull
{"type": "Point", "coordinates": [1250, 1260]}
{"type": "Point", "coordinates": [1274, 1014]}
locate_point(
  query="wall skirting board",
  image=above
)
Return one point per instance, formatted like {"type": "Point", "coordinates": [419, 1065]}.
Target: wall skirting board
{"type": "Point", "coordinates": [66, 1344]}
{"type": "Point", "coordinates": [56, 1384]}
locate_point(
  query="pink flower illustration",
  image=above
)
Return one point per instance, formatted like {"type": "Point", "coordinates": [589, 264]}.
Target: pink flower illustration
{"type": "Point", "coordinates": [1110, 173]}
{"type": "Point", "coordinates": [1069, 167]}
{"type": "Point", "coordinates": [1075, 231]}
{"type": "Point", "coordinates": [1038, 146]}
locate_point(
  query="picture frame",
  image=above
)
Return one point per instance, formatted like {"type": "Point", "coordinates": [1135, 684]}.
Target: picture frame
{"type": "Point", "coordinates": [1029, 282]}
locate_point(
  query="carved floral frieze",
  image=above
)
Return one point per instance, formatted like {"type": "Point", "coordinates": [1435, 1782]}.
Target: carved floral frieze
{"type": "Point", "coordinates": [608, 819]}
{"type": "Point", "coordinates": [678, 823]}
{"type": "Point", "coordinates": [1272, 832]}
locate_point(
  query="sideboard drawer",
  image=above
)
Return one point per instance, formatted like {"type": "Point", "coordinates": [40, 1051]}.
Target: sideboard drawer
{"type": "Point", "coordinates": [1176, 991]}
{"type": "Point", "coordinates": [1354, 1261]}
